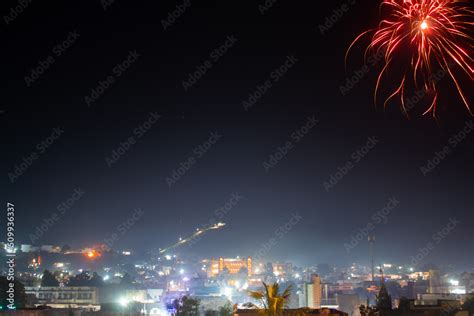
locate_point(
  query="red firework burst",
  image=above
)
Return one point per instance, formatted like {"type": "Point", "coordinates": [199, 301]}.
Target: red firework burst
{"type": "Point", "coordinates": [438, 34]}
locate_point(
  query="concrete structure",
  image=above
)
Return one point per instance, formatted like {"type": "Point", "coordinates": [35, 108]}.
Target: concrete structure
{"type": "Point", "coordinates": [467, 280]}
{"type": "Point", "coordinates": [429, 308]}
{"type": "Point", "coordinates": [349, 303]}
{"type": "Point", "coordinates": [444, 296]}
{"type": "Point", "coordinates": [66, 297]}
{"type": "Point", "coordinates": [434, 282]}
{"type": "Point", "coordinates": [28, 248]}
{"type": "Point", "coordinates": [314, 292]}
{"type": "Point", "coordinates": [51, 248]}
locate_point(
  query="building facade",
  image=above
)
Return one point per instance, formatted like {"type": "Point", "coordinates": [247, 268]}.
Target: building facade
{"type": "Point", "coordinates": [233, 265]}
{"type": "Point", "coordinates": [66, 297]}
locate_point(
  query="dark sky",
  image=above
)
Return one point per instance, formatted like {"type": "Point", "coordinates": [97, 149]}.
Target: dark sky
{"type": "Point", "coordinates": [153, 83]}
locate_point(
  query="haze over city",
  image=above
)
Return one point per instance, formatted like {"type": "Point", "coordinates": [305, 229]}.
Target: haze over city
{"type": "Point", "coordinates": [208, 131]}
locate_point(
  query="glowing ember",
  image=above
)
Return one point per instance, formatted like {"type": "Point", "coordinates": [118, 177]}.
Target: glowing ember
{"type": "Point", "coordinates": [92, 254]}
{"type": "Point", "coordinates": [424, 25]}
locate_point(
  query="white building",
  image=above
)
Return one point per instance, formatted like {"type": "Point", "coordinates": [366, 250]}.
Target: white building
{"type": "Point", "coordinates": [66, 297]}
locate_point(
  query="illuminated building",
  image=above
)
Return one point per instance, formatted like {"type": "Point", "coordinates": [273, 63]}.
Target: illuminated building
{"type": "Point", "coordinates": [35, 263]}
{"type": "Point", "coordinates": [91, 297]}
{"type": "Point", "coordinates": [446, 297]}
{"type": "Point", "coordinates": [419, 275]}
{"type": "Point", "coordinates": [282, 269]}
{"type": "Point", "coordinates": [232, 265]}
{"type": "Point", "coordinates": [437, 284]}
{"type": "Point", "coordinates": [66, 297]}
{"type": "Point", "coordinates": [254, 281]}
{"type": "Point", "coordinates": [28, 248]}
{"type": "Point", "coordinates": [62, 266]}
{"type": "Point", "coordinates": [341, 287]}
{"type": "Point", "coordinates": [51, 249]}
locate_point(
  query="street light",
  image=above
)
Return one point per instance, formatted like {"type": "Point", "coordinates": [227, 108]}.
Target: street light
{"type": "Point", "coordinates": [123, 301]}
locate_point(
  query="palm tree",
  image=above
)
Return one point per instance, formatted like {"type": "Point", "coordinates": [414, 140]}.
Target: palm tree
{"type": "Point", "coordinates": [271, 299]}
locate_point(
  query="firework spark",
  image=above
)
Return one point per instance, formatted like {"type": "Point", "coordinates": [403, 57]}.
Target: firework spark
{"type": "Point", "coordinates": [438, 35]}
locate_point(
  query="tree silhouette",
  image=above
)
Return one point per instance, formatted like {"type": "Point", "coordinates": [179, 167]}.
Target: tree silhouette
{"type": "Point", "coordinates": [226, 310]}
{"type": "Point", "coordinates": [271, 299]}
{"type": "Point", "coordinates": [469, 306]}
{"type": "Point", "coordinates": [86, 279]}
{"type": "Point", "coordinates": [127, 280]}
{"type": "Point", "coordinates": [96, 280]}
{"type": "Point", "coordinates": [366, 310]}
{"type": "Point", "coordinates": [384, 300]}
{"type": "Point", "coordinates": [49, 279]}
{"type": "Point", "coordinates": [404, 304]}
{"type": "Point", "coordinates": [186, 306]}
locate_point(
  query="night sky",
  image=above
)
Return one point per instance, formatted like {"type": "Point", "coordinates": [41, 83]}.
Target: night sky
{"type": "Point", "coordinates": [142, 58]}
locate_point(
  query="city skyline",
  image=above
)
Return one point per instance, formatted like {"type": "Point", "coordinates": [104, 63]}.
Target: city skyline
{"type": "Point", "coordinates": [144, 122]}
{"type": "Point", "coordinates": [212, 158]}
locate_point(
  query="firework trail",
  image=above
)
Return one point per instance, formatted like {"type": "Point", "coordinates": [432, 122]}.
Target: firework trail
{"type": "Point", "coordinates": [199, 232]}
{"type": "Point", "coordinates": [438, 34]}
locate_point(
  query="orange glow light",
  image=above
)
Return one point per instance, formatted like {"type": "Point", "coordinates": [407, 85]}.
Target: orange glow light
{"type": "Point", "coordinates": [92, 254]}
